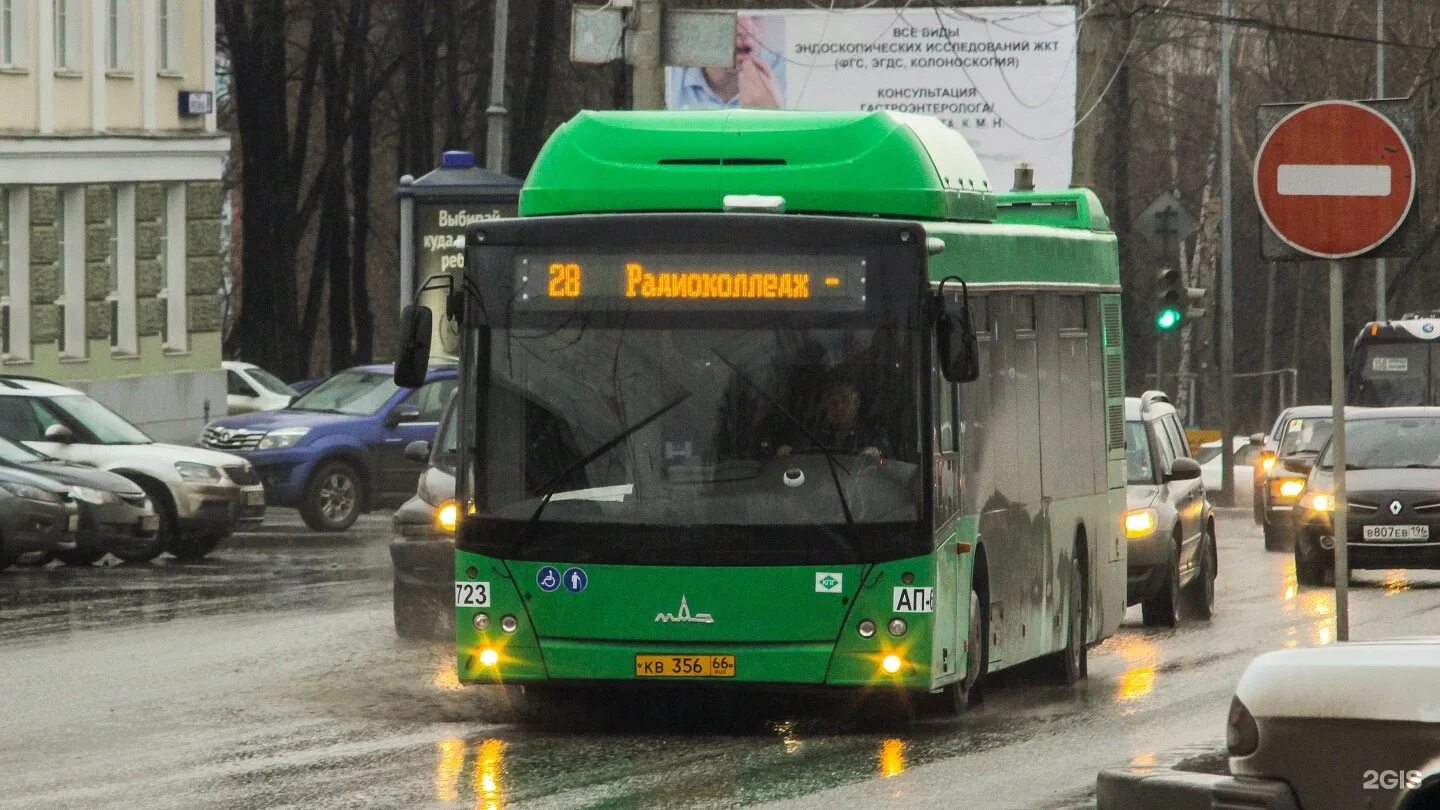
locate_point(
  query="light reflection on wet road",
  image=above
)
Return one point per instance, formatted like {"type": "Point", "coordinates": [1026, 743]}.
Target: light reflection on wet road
{"type": "Point", "coordinates": [269, 675]}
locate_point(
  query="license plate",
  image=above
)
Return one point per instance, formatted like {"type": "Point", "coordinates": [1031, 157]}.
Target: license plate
{"type": "Point", "coordinates": [149, 523]}
{"type": "Point", "coordinates": [256, 498]}
{"type": "Point", "coordinates": [1400, 533]}
{"type": "Point", "coordinates": [684, 666]}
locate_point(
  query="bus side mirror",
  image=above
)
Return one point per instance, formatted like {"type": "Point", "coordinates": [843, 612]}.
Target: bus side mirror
{"type": "Point", "coordinates": [413, 358]}
{"type": "Point", "coordinates": [958, 351]}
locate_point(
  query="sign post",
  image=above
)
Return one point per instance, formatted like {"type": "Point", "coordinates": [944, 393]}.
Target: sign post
{"type": "Point", "coordinates": [1334, 180]}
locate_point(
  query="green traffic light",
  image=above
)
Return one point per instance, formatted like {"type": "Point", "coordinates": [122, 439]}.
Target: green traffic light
{"type": "Point", "coordinates": [1169, 318]}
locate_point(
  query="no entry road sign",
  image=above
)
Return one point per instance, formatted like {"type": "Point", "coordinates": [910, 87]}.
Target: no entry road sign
{"type": "Point", "coordinates": [1334, 179]}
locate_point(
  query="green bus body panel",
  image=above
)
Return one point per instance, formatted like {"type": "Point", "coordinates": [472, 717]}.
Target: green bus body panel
{"type": "Point", "coordinates": [1024, 255]}
{"type": "Point", "coordinates": [871, 164]}
{"type": "Point", "coordinates": [778, 627]}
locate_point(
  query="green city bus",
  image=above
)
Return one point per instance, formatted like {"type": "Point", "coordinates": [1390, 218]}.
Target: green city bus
{"type": "Point", "coordinates": [784, 400]}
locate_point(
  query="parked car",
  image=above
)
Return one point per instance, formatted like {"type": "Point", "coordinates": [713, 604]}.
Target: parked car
{"type": "Point", "coordinates": [1211, 463]}
{"type": "Point", "coordinates": [37, 516]}
{"type": "Point", "coordinates": [1169, 522]}
{"type": "Point", "coordinates": [200, 496]}
{"type": "Point", "coordinates": [423, 555]}
{"type": "Point", "coordinates": [250, 388]}
{"type": "Point", "coordinates": [115, 514]}
{"type": "Point", "coordinates": [1304, 432]}
{"type": "Point", "coordinates": [301, 386]}
{"type": "Point", "coordinates": [1338, 726]}
{"type": "Point", "coordinates": [1392, 489]}
{"type": "Point", "coordinates": [339, 450]}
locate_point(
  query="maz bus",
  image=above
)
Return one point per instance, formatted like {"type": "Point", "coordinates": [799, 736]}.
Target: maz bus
{"type": "Point", "coordinates": [729, 418]}
{"type": "Point", "coordinates": [1396, 363]}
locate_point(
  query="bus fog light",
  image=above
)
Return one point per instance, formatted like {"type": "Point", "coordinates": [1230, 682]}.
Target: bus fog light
{"type": "Point", "coordinates": [508, 624]}
{"type": "Point", "coordinates": [489, 657]}
{"type": "Point", "coordinates": [865, 628]}
{"type": "Point", "coordinates": [897, 627]}
{"type": "Point", "coordinates": [481, 622]}
{"type": "Point", "coordinates": [891, 664]}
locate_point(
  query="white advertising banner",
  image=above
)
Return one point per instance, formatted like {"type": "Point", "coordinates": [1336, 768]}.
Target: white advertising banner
{"type": "Point", "coordinates": [1004, 77]}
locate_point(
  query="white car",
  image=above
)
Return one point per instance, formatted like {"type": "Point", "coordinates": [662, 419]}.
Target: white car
{"type": "Point", "coordinates": [201, 496]}
{"type": "Point", "coordinates": [1353, 725]}
{"type": "Point", "coordinates": [250, 388]}
{"type": "Point", "coordinates": [1211, 469]}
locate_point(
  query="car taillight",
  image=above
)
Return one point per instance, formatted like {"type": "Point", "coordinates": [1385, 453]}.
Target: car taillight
{"type": "Point", "coordinates": [1242, 736]}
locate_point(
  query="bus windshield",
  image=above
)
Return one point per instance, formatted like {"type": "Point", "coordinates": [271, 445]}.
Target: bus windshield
{"type": "Point", "coordinates": [1397, 374]}
{"type": "Point", "coordinates": [701, 428]}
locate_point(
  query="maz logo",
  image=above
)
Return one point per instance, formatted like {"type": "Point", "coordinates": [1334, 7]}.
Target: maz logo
{"type": "Point", "coordinates": [684, 615]}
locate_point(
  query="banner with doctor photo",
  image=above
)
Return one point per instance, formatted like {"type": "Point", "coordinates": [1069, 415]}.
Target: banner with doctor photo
{"type": "Point", "coordinates": [1004, 77]}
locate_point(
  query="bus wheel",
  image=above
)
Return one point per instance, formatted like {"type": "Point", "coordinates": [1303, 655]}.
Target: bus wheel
{"type": "Point", "coordinates": [954, 699]}
{"type": "Point", "coordinates": [1070, 665]}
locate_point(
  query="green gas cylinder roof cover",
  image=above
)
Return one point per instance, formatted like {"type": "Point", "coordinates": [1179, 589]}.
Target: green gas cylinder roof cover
{"type": "Point", "coordinates": [877, 163]}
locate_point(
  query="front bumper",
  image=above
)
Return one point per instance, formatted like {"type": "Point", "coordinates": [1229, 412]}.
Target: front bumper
{"type": "Point", "coordinates": [218, 508]}
{"type": "Point", "coordinates": [38, 526]}
{"type": "Point", "coordinates": [1167, 789]}
{"type": "Point", "coordinates": [424, 564]}
{"type": "Point", "coordinates": [101, 526]}
{"type": "Point", "coordinates": [283, 473]}
{"type": "Point", "coordinates": [1146, 567]}
{"type": "Point", "coordinates": [1365, 554]}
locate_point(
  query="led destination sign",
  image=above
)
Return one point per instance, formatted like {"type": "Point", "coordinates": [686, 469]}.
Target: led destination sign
{"type": "Point", "coordinates": [690, 281]}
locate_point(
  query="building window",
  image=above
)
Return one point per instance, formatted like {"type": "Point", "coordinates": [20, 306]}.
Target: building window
{"type": "Point", "coordinates": [12, 32]}
{"type": "Point", "coordinates": [123, 335]}
{"type": "Point", "coordinates": [169, 22]}
{"type": "Point", "coordinates": [15, 289]}
{"type": "Point", "coordinates": [71, 231]}
{"type": "Point", "coordinates": [117, 34]}
{"type": "Point", "coordinates": [68, 21]}
{"type": "Point", "coordinates": [173, 255]}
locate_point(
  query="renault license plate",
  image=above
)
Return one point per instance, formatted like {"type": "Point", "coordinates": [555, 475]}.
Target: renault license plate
{"type": "Point", "coordinates": [1397, 533]}
{"type": "Point", "coordinates": [684, 666]}
{"type": "Point", "coordinates": [256, 498]}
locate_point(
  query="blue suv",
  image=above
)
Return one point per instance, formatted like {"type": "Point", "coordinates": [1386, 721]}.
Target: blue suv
{"type": "Point", "coordinates": [339, 449]}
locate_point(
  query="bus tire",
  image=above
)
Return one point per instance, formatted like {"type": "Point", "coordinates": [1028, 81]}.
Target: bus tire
{"type": "Point", "coordinates": [956, 698]}
{"type": "Point", "coordinates": [1071, 664]}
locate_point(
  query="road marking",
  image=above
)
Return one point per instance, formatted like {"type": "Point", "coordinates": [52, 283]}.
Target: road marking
{"type": "Point", "coordinates": [1318, 180]}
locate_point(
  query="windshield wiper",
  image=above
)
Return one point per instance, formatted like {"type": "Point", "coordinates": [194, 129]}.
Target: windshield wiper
{"type": "Point", "coordinates": [830, 459]}
{"type": "Point", "coordinates": [548, 490]}
{"type": "Point", "coordinates": [316, 410]}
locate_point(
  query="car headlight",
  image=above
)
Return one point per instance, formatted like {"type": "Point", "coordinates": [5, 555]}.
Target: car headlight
{"type": "Point", "coordinates": [282, 438]}
{"type": "Point", "coordinates": [1267, 462]}
{"type": "Point", "coordinates": [93, 495]}
{"type": "Point", "coordinates": [197, 473]}
{"type": "Point", "coordinates": [28, 492]}
{"type": "Point", "coordinates": [1318, 502]}
{"type": "Point", "coordinates": [1140, 523]}
{"type": "Point", "coordinates": [447, 517]}
{"type": "Point", "coordinates": [1288, 488]}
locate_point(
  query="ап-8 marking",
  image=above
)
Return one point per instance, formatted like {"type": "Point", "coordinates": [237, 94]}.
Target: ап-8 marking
{"type": "Point", "coordinates": [564, 280]}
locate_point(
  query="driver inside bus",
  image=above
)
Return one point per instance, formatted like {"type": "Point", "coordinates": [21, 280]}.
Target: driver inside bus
{"type": "Point", "coordinates": [840, 429]}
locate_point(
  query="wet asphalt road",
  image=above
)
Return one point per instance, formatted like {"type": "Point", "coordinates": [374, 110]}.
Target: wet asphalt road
{"type": "Point", "coordinates": [269, 676]}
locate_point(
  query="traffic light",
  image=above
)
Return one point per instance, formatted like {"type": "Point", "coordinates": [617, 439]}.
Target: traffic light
{"type": "Point", "coordinates": [1195, 302]}
{"type": "Point", "coordinates": [1171, 297]}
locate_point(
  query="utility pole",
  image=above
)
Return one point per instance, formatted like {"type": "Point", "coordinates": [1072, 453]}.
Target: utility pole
{"type": "Point", "coordinates": [1227, 267]}
{"type": "Point", "coordinates": [1380, 267]}
{"type": "Point", "coordinates": [495, 114]}
{"type": "Point", "coordinates": [647, 73]}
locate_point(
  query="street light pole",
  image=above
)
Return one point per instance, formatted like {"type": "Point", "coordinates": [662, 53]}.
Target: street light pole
{"type": "Point", "coordinates": [496, 114]}
{"type": "Point", "coordinates": [1226, 293]}
{"type": "Point", "coordinates": [1380, 268]}
{"type": "Point", "coordinates": [647, 74]}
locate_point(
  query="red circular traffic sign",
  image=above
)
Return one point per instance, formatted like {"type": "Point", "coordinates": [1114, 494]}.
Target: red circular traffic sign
{"type": "Point", "coordinates": [1334, 179]}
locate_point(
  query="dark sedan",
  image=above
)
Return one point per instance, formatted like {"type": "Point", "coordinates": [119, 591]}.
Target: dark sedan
{"type": "Point", "coordinates": [36, 515]}
{"type": "Point", "coordinates": [1392, 484]}
{"type": "Point", "coordinates": [115, 514]}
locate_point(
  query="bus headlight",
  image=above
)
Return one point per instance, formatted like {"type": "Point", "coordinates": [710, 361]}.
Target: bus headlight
{"type": "Point", "coordinates": [1140, 523]}
{"type": "Point", "coordinates": [489, 657]}
{"type": "Point", "coordinates": [897, 627]}
{"type": "Point", "coordinates": [865, 628]}
{"type": "Point", "coordinates": [447, 516]}
{"type": "Point", "coordinates": [891, 664]}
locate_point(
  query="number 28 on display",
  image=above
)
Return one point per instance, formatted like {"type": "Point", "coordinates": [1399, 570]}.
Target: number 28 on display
{"type": "Point", "coordinates": [564, 280]}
